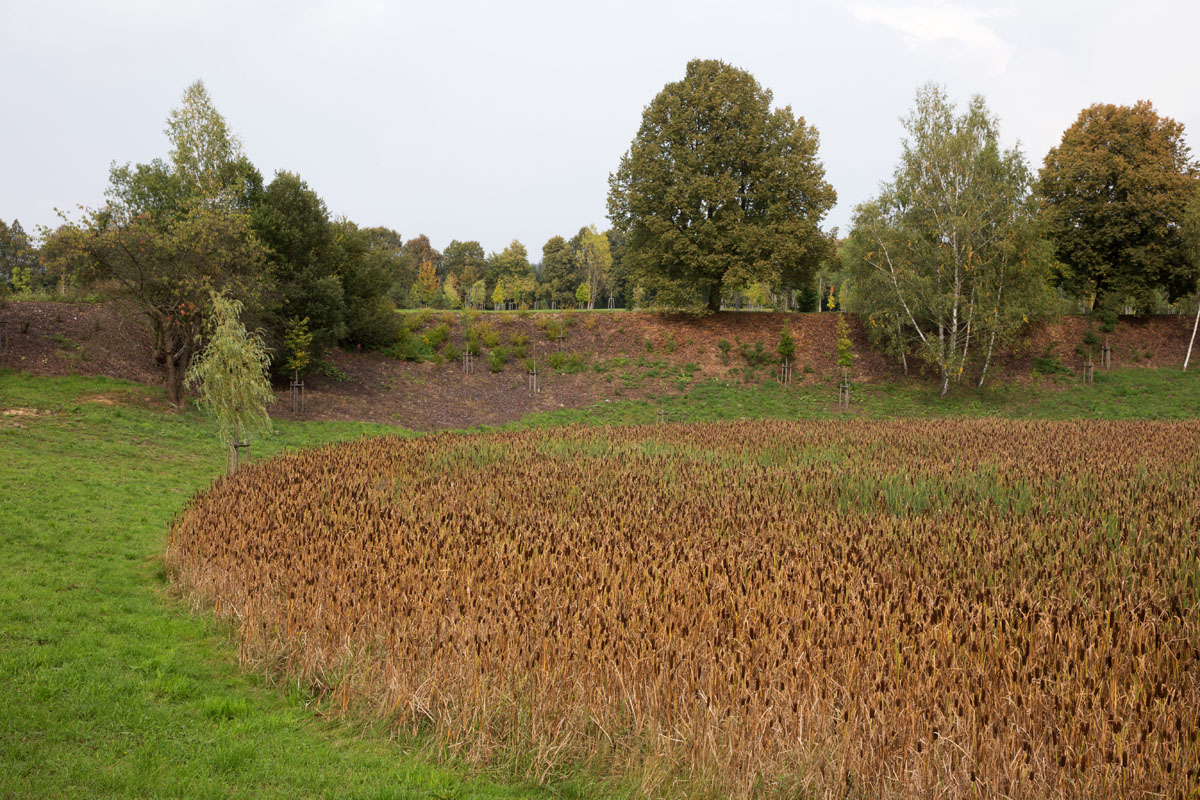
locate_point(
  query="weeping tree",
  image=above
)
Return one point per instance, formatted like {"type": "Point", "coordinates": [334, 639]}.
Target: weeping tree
{"type": "Point", "coordinates": [946, 262]}
{"type": "Point", "coordinates": [231, 375]}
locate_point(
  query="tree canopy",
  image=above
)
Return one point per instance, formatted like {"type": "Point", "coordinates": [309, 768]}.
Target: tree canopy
{"type": "Point", "coordinates": [1114, 193]}
{"type": "Point", "coordinates": [718, 190]}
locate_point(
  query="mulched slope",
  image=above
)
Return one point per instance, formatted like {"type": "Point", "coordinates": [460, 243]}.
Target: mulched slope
{"type": "Point", "coordinates": [106, 339]}
{"type": "Point", "coordinates": [111, 340]}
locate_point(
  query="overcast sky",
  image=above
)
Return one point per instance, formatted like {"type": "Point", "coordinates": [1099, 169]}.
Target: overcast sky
{"type": "Point", "coordinates": [502, 120]}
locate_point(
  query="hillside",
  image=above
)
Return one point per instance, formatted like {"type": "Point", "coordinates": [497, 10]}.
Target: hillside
{"type": "Point", "coordinates": [602, 356]}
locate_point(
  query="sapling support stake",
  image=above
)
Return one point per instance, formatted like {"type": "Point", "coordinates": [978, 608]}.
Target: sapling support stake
{"type": "Point", "coordinates": [297, 394]}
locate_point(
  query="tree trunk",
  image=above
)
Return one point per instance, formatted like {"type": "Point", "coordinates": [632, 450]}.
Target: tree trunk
{"type": "Point", "coordinates": [714, 296]}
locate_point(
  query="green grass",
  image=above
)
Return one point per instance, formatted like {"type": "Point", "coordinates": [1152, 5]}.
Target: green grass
{"type": "Point", "coordinates": [111, 688]}
{"type": "Point", "coordinates": [1121, 394]}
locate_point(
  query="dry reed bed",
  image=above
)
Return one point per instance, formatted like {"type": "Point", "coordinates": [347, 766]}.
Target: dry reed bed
{"type": "Point", "coordinates": [863, 609]}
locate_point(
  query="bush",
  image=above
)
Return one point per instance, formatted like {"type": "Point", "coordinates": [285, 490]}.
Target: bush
{"type": "Point", "coordinates": [755, 355]}
{"type": "Point", "coordinates": [497, 358]}
{"type": "Point", "coordinates": [409, 347]}
{"type": "Point", "coordinates": [725, 346]}
{"type": "Point", "coordinates": [1050, 365]}
{"type": "Point", "coordinates": [487, 334]}
{"type": "Point", "coordinates": [520, 345]}
{"type": "Point", "coordinates": [437, 335]}
{"type": "Point", "coordinates": [451, 352]}
{"type": "Point", "coordinates": [473, 345]}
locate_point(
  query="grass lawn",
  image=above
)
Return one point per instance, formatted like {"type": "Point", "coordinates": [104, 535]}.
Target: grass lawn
{"type": "Point", "coordinates": [109, 687]}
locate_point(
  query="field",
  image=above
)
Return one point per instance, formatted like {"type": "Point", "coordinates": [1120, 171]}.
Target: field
{"type": "Point", "coordinates": [953, 608]}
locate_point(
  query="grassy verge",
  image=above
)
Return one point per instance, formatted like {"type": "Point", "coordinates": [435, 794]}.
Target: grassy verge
{"type": "Point", "coordinates": [1143, 394]}
{"type": "Point", "coordinates": [109, 687]}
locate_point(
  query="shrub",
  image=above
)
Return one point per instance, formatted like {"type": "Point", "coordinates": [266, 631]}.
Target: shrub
{"type": "Point", "coordinates": [520, 345]}
{"type": "Point", "coordinates": [497, 358]}
{"type": "Point", "coordinates": [755, 355]}
{"type": "Point", "coordinates": [487, 334]}
{"type": "Point", "coordinates": [437, 335]}
{"type": "Point", "coordinates": [725, 346]}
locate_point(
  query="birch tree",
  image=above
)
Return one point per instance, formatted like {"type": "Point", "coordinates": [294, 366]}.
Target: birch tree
{"type": "Point", "coordinates": [596, 258]}
{"type": "Point", "coordinates": [946, 261]}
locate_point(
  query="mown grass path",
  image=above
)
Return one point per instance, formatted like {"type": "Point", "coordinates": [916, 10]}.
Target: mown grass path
{"type": "Point", "coordinates": [109, 687]}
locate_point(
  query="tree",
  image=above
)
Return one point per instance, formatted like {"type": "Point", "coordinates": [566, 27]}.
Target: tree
{"type": "Point", "coordinates": [560, 271]}
{"type": "Point", "coordinates": [291, 220]}
{"type": "Point", "coordinates": [19, 264]}
{"type": "Point", "coordinates": [427, 289]}
{"type": "Point", "coordinates": [419, 250]}
{"type": "Point", "coordinates": [450, 295]}
{"type": "Point", "coordinates": [596, 258]}
{"type": "Point", "coordinates": [946, 256]}
{"type": "Point", "coordinates": [718, 190]}
{"type": "Point", "coordinates": [168, 268]}
{"type": "Point", "coordinates": [1114, 192]}
{"type": "Point", "coordinates": [207, 158]}
{"type": "Point", "coordinates": [466, 260]}
{"type": "Point", "coordinates": [231, 374]}
{"type": "Point", "coordinates": [366, 273]}
{"type": "Point", "coordinates": [583, 296]}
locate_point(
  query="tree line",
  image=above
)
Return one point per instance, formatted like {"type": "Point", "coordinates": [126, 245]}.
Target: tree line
{"type": "Point", "coordinates": [718, 202]}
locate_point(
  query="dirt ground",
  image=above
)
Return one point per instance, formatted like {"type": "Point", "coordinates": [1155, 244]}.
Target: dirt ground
{"type": "Point", "coordinates": [111, 340]}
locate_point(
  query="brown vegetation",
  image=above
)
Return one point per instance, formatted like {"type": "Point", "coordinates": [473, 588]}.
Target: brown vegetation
{"type": "Point", "coordinates": [886, 609]}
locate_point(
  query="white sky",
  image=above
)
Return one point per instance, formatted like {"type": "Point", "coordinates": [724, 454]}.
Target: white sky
{"type": "Point", "coordinates": [502, 120]}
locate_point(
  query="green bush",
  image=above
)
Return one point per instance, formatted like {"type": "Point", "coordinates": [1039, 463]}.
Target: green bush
{"type": "Point", "coordinates": [473, 345]}
{"type": "Point", "coordinates": [487, 334]}
{"type": "Point", "coordinates": [755, 355]}
{"type": "Point", "coordinates": [520, 345]}
{"type": "Point", "coordinates": [725, 346]}
{"type": "Point", "coordinates": [437, 335]}
{"type": "Point", "coordinates": [409, 347]}
{"type": "Point", "coordinates": [451, 352]}
{"type": "Point", "coordinates": [1050, 365]}
{"type": "Point", "coordinates": [497, 358]}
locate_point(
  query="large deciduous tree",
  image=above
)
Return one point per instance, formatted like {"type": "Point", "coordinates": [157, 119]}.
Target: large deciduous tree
{"type": "Point", "coordinates": [946, 261]}
{"type": "Point", "coordinates": [171, 233]}
{"type": "Point", "coordinates": [718, 190]}
{"type": "Point", "coordinates": [1114, 192]}
{"type": "Point", "coordinates": [560, 271]}
{"type": "Point", "coordinates": [291, 220]}
{"type": "Point", "coordinates": [466, 260]}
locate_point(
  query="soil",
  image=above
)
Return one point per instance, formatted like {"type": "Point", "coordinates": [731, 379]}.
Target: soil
{"type": "Point", "coordinates": [110, 339]}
